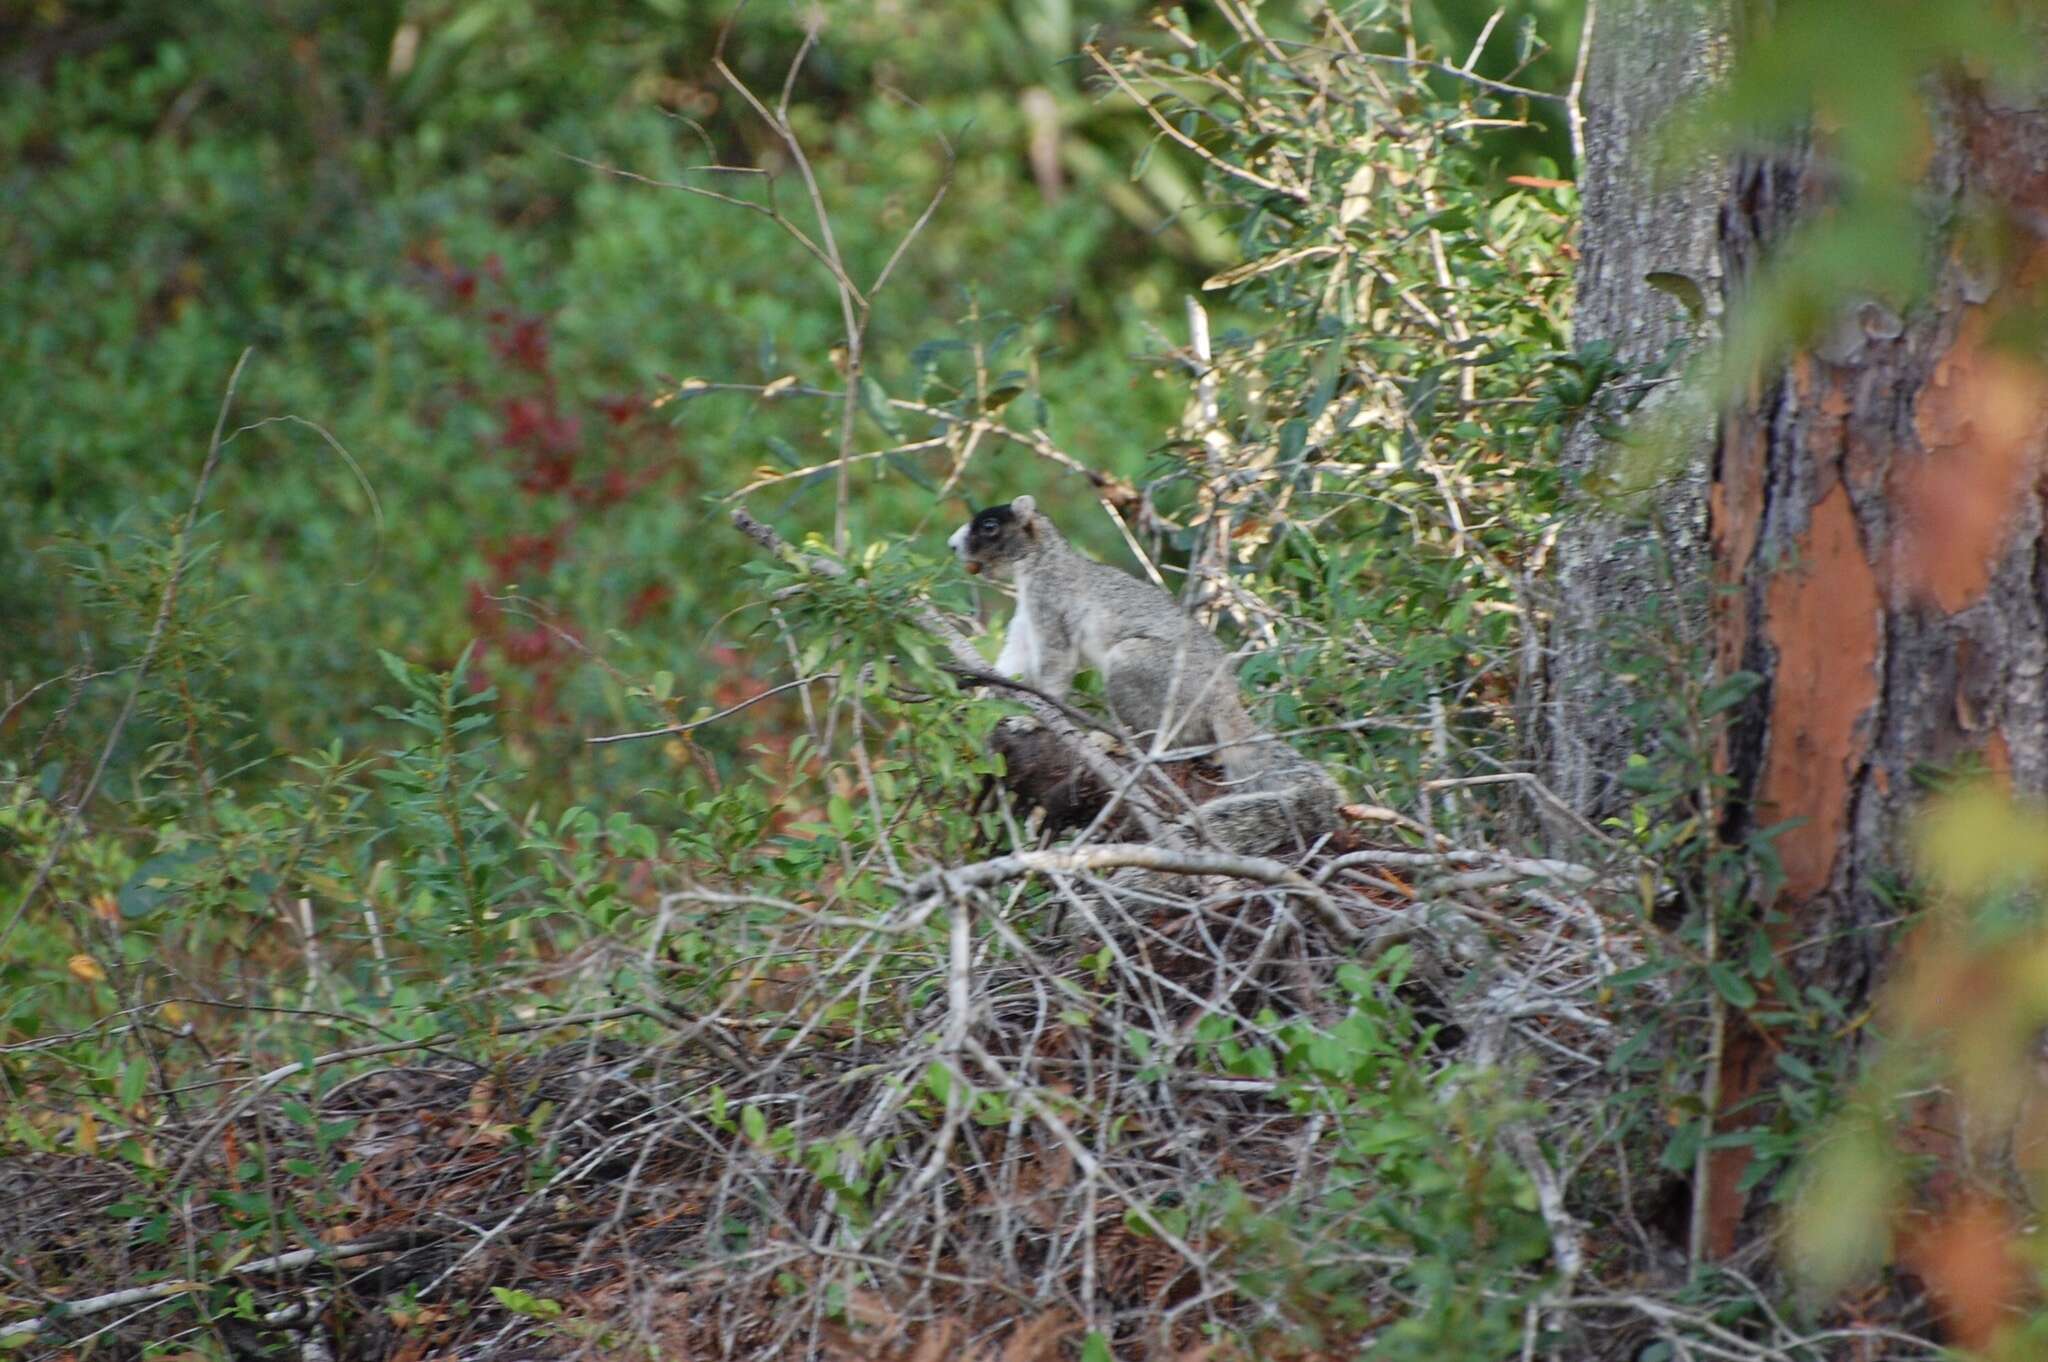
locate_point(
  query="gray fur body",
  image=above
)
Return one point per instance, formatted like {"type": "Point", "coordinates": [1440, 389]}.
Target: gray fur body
{"type": "Point", "coordinates": [1167, 680]}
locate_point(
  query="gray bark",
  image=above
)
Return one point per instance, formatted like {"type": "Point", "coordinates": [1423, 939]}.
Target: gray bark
{"type": "Point", "coordinates": [1639, 555]}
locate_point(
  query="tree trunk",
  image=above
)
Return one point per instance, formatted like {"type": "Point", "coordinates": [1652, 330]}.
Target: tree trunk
{"type": "Point", "coordinates": [1646, 553]}
{"type": "Point", "coordinates": [1870, 518]}
{"type": "Point", "coordinates": [1876, 529]}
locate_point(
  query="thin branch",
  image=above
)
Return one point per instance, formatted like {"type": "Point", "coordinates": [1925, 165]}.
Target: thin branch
{"type": "Point", "coordinates": [728, 711]}
{"type": "Point", "coordinates": [854, 306]}
{"type": "Point", "coordinates": [1236, 172]}
{"type": "Point", "coordinates": [1115, 489]}
{"type": "Point", "coordinates": [1574, 98]}
{"type": "Point", "coordinates": [75, 678]}
{"type": "Point", "coordinates": [1083, 860]}
{"type": "Point", "coordinates": [1080, 718]}
{"type": "Point", "coordinates": [916, 228]}
{"type": "Point", "coordinates": [1479, 44]}
{"type": "Point", "coordinates": [842, 463]}
{"type": "Point", "coordinates": [341, 451]}
{"type": "Point", "coordinates": [1471, 77]}
{"type": "Point", "coordinates": [267, 1081]}
{"type": "Point", "coordinates": [774, 215]}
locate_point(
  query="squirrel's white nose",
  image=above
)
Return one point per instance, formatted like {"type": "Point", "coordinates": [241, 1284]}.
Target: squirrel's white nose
{"type": "Point", "coordinates": [958, 542]}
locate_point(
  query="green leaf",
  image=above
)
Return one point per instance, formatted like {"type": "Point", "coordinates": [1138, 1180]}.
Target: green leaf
{"type": "Point", "coordinates": [1679, 1154]}
{"type": "Point", "coordinates": [1637, 974]}
{"type": "Point", "coordinates": [1293, 440]}
{"type": "Point", "coordinates": [1683, 287]}
{"type": "Point", "coordinates": [1728, 691]}
{"type": "Point", "coordinates": [1730, 985]}
{"type": "Point", "coordinates": [526, 1303]}
{"type": "Point", "coordinates": [927, 353]}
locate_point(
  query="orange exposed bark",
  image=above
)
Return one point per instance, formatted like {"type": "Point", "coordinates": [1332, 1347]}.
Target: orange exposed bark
{"type": "Point", "coordinates": [1981, 420]}
{"type": "Point", "coordinates": [1823, 616]}
{"type": "Point", "coordinates": [1745, 1067]}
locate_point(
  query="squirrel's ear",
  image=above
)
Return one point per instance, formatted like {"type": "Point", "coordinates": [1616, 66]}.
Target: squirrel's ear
{"type": "Point", "coordinates": [1024, 505]}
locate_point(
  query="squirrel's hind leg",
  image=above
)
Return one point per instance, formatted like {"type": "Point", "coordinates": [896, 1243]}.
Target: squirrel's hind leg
{"type": "Point", "coordinates": [1152, 688]}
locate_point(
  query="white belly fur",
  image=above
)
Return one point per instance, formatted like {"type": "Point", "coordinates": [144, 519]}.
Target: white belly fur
{"type": "Point", "coordinates": [1022, 654]}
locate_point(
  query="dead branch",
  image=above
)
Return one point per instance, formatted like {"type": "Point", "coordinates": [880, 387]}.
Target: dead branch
{"type": "Point", "coordinates": [1136, 855]}
{"type": "Point", "coordinates": [293, 1261]}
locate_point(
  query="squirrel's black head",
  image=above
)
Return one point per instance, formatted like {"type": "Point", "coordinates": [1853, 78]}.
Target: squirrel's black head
{"type": "Point", "coordinates": [998, 536]}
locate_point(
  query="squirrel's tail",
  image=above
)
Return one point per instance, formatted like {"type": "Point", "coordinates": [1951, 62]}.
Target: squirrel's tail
{"type": "Point", "coordinates": [1278, 797]}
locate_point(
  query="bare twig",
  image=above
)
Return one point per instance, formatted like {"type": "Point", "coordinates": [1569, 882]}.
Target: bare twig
{"type": "Point", "coordinates": [727, 712]}
{"type": "Point", "coordinates": [856, 307]}
{"type": "Point", "coordinates": [76, 678]}
{"type": "Point", "coordinates": [1575, 106]}
{"type": "Point", "coordinates": [1234, 171]}
{"type": "Point", "coordinates": [157, 1291]}
{"type": "Point", "coordinates": [1140, 856]}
